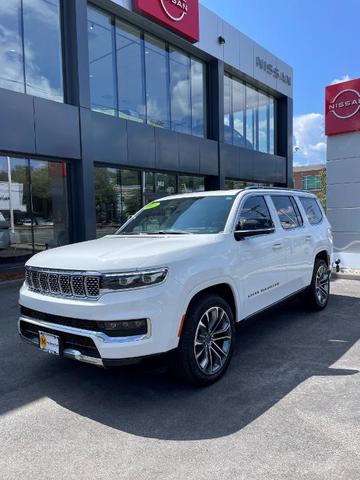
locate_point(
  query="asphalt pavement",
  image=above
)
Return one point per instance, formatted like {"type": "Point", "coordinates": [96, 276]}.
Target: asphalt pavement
{"type": "Point", "coordinates": [288, 408]}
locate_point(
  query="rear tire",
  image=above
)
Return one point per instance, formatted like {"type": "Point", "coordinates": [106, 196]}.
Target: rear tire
{"type": "Point", "coordinates": [207, 341]}
{"type": "Point", "coordinates": [317, 295]}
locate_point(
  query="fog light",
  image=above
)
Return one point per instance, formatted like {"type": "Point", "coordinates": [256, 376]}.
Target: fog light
{"type": "Point", "coordinates": [124, 328]}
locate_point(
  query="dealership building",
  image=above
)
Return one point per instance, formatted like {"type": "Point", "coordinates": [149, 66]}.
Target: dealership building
{"type": "Point", "coordinates": [107, 105]}
{"type": "Point", "coordinates": [342, 118]}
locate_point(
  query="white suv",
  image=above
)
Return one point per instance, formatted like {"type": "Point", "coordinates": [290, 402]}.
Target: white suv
{"type": "Point", "coordinates": [177, 277]}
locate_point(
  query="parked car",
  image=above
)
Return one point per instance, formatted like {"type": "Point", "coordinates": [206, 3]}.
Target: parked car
{"type": "Point", "coordinates": [4, 233]}
{"type": "Point", "coordinates": [177, 277]}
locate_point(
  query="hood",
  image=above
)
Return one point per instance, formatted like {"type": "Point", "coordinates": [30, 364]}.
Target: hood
{"type": "Point", "coordinates": [119, 253]}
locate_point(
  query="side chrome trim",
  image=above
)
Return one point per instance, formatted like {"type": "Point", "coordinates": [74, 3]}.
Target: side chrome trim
{"type": "Point", "coordinates": [76, 355]}
{"type": "Point", "coordinates": [278, 302]}
{"type": "Point", "coordinates": [102, 337]}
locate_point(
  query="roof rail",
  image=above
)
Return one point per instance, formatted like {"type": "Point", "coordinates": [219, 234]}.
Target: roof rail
{"type": "Point", "coordinates": [254, 187]}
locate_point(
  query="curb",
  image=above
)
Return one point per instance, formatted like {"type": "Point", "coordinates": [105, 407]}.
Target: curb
{"type": "Point", "coordinates": [345, 276]}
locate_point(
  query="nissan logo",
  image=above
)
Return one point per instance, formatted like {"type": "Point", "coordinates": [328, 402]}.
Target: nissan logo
{"type": "Point", "coordinates": [346, 104]}
{"type": "Point", "coordinates": [175, 9]}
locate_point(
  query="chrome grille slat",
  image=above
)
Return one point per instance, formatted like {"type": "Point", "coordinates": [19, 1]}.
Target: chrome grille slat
{"type": "Point", "coordinates": [67, 284]}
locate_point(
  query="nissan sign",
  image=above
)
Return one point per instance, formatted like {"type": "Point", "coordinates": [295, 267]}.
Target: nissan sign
{"type": "Point", "coordinates": [342, 107]}
{"type": "Point", "coordinates": [182, 16]}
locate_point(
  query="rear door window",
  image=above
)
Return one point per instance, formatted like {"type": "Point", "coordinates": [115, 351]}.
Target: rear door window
{"type": "Point", "coordinates": [312, 210]}
{"type": "Point", "coordinates": [289, 217]}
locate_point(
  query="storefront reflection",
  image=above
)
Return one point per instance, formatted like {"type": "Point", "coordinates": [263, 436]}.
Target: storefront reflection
{"type": "Point", "coordinates": [33, 208]}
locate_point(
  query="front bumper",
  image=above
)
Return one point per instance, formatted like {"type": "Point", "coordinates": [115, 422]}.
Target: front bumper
{"type": "Point", "coordinates": [156, 304]}
{"type": "Point", "coordinates": [75, 349]}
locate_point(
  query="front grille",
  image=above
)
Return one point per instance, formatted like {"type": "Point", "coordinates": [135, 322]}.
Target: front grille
{"type": "Point", "coordinates": [63, 283]}
{"type": "Point", "coordinates": [84, 344]}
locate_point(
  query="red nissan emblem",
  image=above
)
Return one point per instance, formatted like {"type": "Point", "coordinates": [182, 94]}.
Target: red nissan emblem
{"type": "Point", "coordinates": [346, 104]}
{"type": "Point", "coordinates": [175, 9]}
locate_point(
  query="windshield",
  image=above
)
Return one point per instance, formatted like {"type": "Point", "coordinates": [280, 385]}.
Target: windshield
{"type": "Point", "coordinates": [178, 216]}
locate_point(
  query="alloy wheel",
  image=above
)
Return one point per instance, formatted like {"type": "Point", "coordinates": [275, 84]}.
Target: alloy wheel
{"type": "Point", "coordinates": [212, 340]}
{"type": "Point", "coordinates": [322, 284]}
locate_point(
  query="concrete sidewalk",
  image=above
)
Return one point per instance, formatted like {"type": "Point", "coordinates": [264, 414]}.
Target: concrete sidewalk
{"type": "Point", "coordinates": [288, 408]}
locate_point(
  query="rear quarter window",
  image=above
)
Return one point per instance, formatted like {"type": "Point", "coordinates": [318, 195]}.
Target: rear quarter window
{"type": "Point", "coordinates": [312, 210]}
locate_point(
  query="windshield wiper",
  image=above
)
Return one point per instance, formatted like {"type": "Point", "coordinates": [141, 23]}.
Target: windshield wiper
{"type": "Point", "coordinates": [171, 232]}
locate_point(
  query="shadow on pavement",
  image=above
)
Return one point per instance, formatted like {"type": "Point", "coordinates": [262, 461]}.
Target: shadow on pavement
{"type": "Point", "coordinates": [275, 353]}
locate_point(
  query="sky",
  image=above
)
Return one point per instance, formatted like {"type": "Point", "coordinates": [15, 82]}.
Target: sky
{"type": "Point", "coordinates": [318, 38]}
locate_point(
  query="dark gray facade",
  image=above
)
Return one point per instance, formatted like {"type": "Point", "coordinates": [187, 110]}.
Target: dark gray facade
{"type": "Point", "coordinates": [39, 128]}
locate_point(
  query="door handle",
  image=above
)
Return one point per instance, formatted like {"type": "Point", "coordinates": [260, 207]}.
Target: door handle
{"type": "Point", "coordinates": [277, 246]}
{"type": "Point", "coordinates": [308, 238]}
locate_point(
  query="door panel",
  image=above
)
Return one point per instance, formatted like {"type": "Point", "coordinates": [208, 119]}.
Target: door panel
{"type": "Point", "coordinates": [298, 238]}
{"type": "Point", "coordinates": [260, 260]}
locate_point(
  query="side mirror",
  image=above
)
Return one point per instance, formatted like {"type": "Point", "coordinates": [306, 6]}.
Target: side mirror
{"type": "Point", "coordinates": [242, 234]}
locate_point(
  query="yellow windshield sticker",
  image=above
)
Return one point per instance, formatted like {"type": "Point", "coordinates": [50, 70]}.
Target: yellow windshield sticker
{"type": "Point", "coordinates": [152, 205]}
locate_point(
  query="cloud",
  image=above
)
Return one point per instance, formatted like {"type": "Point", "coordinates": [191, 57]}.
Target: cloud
{"type": "Point", "coordinates": [309, 139]}
{"type": "Point", "coordinates": [344, 78]}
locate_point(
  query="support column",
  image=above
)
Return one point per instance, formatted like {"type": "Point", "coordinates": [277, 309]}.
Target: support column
{"type": "Point", "coordinates": [284, 128]}
{"type": "Point", "coordinates": [77, 88]}
{"type": "Point", "coordinates": [215, 114]}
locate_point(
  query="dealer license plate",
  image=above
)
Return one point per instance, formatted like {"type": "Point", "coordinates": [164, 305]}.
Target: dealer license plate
{"type": "Point", "coordinates": [49, 343]}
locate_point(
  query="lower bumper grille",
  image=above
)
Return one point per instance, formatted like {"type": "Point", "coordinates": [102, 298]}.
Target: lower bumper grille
{"type": "Point", "coordinates": [69, 341]}
{"type": "Point", "coordinates": [130, 328]}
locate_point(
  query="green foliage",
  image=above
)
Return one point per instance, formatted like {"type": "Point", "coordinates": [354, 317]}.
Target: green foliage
{"type": "Point", "coordinates": [322, 193]}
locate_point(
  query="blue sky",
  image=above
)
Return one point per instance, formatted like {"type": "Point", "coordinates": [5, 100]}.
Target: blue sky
{"type": "Point", "coordinates": [318, 38]}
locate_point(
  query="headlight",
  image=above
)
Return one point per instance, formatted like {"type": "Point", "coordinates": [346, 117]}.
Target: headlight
{"type": "Point", "coordinates": [124, 281]}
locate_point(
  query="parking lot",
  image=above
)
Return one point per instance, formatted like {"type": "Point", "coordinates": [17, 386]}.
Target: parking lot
{"type": "Point", "coordinates": [288, 408]}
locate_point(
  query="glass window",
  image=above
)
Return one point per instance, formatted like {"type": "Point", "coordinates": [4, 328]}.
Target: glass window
{"type": "Point", "coordinates": [285, 209]}
{"type": "Point", "coordinates": [49, 204]}
{"type": "Point", "coordinates": [31, 63]}
{"type": "Point", "coordinates": [238, 109]}
{"type": "Point", "coordinates": [191, 184]}
{"type": "Point", "coordinates": [311, 182]}
{"type": "Point", "coordinates": [251, 113]}
{"type": "Point", "coordinates": [200, 215]}
{"type": "Point", "coordinates": [241, 184]}
{"type": "Point", "coordinates": [130, 193]}
{"type": "Point", "coordinates": [131, 82]}
{"type": "Point", "coordinates": [180, 90]}
{"type": "Point", "coordinates": [312, 210]}
{"type": "Point", "coordinates": [248, 116]}
{"type": "Point", "coordinates": [101, 57]}
{"type": "Point", "coordinates": [16, 242]}
{"type": "Point", "coordinates": [228, 129]}
{"type": "Point", "coordinates": [271, 125]}
{"type": "Point", "coordinates": [141, 78]}
{"type": "Point", "coordinates": [33, 208]}
{"type": "Point", "coordinates": [117, 197]}
{"type": "Point", "coordinates": [165, 183]}
{"type": "Point", "coordinates": [254, 214]}
{"type": "Point", "coordinates": [198, 104]}
{"type": "Point", "coordinates": [156, 71]}
{"type": "Point", "coordinates": [297, 211]}
{"type": "Point", "coordinates": [11, 53]}
{"type": "Point", "coordinates": [263, 123]}
{"type": "Point", "coordinates": [43, 53]}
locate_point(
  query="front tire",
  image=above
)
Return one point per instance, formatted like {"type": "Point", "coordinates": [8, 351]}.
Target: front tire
{"type": "Point", "coordinates": [317, 295]}
{"type": "Point", "coordinates": [207, 341]}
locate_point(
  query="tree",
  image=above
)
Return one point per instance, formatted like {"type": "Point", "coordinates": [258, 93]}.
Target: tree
{"type": "Point", "coordinates": [322, 193]}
